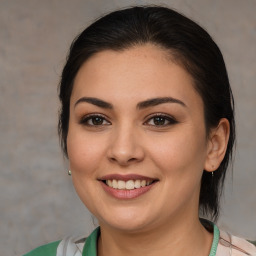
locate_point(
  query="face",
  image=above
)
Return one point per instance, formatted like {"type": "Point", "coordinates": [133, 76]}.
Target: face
{"type": "Point", "coordinates": [137, 142]}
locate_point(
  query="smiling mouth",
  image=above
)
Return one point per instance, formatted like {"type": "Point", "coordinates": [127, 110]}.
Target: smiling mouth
{"type": "Point", "coordinates": [128, 185]}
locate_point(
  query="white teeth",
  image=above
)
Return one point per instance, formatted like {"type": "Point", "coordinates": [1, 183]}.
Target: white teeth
{"type": "Point", "coordinates": [143, 183]}
{"type": "Point", "coordinates": [137, 184]}
{"type": "Point", "coordinates": [121, 184]}
{"type": "Point", "coordinates": [109, 183]}
{"type": "Point", "coordinates": [114, 184]}
{"type": "Point", "coordinates": [130, 184]}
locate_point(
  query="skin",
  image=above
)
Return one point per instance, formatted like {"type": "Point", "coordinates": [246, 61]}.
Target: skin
{"type": "Point", "coordinates": [129, 141]}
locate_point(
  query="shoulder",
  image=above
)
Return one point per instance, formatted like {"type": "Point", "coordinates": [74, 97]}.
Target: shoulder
{"type": "Point", "coordinates": [45, 250]}
{"type": "Point", "coordinates": [233, 245]}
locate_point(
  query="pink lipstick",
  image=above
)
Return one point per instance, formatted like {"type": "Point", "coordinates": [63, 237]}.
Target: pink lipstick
{"type": "Point", "coordinates": [127, 186]}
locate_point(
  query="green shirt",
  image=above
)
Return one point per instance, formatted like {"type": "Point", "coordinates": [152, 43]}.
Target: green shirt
{"type": "Point", "coordinates": [90, 247]}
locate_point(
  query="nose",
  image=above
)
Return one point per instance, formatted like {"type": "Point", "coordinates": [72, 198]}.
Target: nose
{"type": "Point", "coordinates": [125, 147]}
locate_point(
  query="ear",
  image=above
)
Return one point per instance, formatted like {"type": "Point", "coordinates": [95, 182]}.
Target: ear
{"type": "Point", "coordinates": [217, 145]}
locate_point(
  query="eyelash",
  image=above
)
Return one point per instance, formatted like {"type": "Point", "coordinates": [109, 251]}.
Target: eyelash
{"type": "Point", "coordinates": [89, 118]}
{"type": "Point", "coordinates": [85, 120]}
{"type": "Point", "coordinates": [171, 120]}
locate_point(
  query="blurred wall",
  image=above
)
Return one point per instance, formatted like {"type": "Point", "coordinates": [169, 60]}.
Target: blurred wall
{"type": "Point", "coordinates": [37, 201]}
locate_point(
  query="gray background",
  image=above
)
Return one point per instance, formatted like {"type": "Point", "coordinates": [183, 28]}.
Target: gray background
{"type": "Point", "coordinates": [37, 201]}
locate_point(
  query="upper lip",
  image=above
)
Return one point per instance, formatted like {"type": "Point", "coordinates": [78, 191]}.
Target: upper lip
{"type": "Point", "coordinates": [125, 177]}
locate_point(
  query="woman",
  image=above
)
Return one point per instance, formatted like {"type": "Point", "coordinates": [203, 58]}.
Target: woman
{"type": "Point", "coordinates": [147, 123]}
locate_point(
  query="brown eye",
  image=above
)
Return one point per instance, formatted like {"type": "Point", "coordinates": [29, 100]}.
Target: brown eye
{"type": "Point", "coordinates": [97, 120]}
{"type": "Point", "coordinates": [94, 120]}
{"type": "Point", "coordinates": [161, 120]}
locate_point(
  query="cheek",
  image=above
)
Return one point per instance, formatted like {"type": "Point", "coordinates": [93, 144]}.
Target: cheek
{"type": "Point", "coordinates": [181, 161]}
{"type": "Point", "coordinates": [84, 158]}
{"type": "Point", "coordinates": [84, 154]}
{"type": "Point", "coordinates": [180, 154]}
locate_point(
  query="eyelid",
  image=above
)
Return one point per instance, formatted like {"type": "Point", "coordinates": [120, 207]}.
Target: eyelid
{"type": "Point", "coordinates": [169, 117]}
{"type": "Point", "coordinates": [87, 117]}
{"type": "Point", "coordinates": [84, 119]}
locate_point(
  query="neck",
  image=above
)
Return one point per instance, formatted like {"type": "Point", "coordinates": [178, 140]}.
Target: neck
{"type": "Point", "coordinates": [186, 237]}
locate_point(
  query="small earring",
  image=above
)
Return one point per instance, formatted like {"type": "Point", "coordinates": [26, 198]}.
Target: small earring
{"type": "Point", "coordinates": [69, 172]}
{"type": "Point", "coordinates": [212, 172]}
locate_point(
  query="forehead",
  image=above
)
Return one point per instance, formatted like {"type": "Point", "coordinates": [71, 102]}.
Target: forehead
{"type": "Point", "coordinates": [139, 72]}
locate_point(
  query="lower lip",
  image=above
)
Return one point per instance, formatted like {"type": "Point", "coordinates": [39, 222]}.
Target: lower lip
{"type": "Point", "coordinates": [126, 193]}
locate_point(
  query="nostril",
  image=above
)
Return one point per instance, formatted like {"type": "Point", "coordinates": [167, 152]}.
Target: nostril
{"type": "Point", "coordinates": [125, 156]}
{"type": "Point", "coordinates": [113, 159]}
{"type": "Point", "coordinates": [132, 160]}
{"type": "Point", "coordinates": [123, 161]}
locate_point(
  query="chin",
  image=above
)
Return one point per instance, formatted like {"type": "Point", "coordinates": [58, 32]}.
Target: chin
{"type": "Point", "coordinates": [131, 226]}
{"type": "Point", "coordinates": [126, 220]}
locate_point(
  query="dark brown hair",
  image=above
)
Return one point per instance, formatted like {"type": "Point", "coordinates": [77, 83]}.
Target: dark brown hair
{"type": "Point", "coordinates": [189, 44]}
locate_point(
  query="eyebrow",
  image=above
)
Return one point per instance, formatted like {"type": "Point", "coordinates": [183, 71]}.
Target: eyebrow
{"type": "Point", "coordinates": [158, 101]}
{"type": "Point", "coordinates": [141, 105]}
{"type": "Point", "coordinates": [96, 102]}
